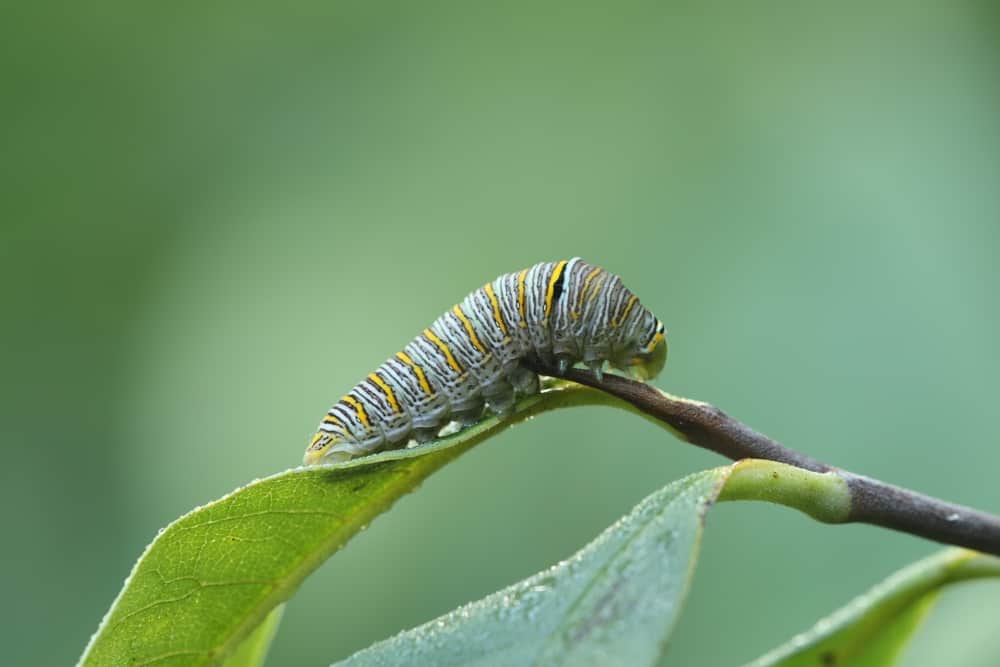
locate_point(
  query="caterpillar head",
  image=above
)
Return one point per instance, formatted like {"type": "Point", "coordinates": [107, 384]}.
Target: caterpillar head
{"type": "Point", "coordinates": [651, 356]}
{"type": "Point", "coordinates": [328, 448]}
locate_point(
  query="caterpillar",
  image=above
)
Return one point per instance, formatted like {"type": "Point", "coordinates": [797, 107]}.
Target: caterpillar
{"type": "Point", "coordinates": [558, 313]}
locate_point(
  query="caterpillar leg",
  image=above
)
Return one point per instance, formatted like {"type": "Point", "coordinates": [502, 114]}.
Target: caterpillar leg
{"type": "Point", "coordinates": [564, 361]}
{"type": "Point", "coordinates": [597, 366]}
{"type": "Point", "coordinates": [566, 350]}
{"type": "Point", "coordinates": [425, 434]}
{"type": "Point", "coordinates": [343, 451]}
{"type": "Point", "coordinates": [500, 398]}
{"type": "Point", "coordinates": [524, 381]}
{"type": "Point", "coordinates": [596, 351]}
{"type": "Point", "coordinates": [468, 414]}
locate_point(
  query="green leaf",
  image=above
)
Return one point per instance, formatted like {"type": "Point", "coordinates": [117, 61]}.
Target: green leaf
{"type": "Point", "coordinates": [213, 576]}
{"type": "Point", "coordinates": [873, 629]}
{"type": "Point", "coordinates": [614, 602]}
{"type": "Point", "coordinates": [253, 650]}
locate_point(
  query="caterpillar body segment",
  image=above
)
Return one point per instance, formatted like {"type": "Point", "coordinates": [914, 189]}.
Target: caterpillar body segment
{"type": "Point", "coordinates": [560, 313]}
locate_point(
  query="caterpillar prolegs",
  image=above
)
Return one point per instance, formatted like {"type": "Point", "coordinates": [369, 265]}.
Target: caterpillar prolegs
{"type": "Point", "coordinates": [559, 313]}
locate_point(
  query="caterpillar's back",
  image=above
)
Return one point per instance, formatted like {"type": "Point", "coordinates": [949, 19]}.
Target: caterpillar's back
{"type": "Point", "coordinates": [556, 312]}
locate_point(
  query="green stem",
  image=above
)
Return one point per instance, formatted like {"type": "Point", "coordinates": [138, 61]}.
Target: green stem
{"type": "Point", "coordinates": [823, 496]}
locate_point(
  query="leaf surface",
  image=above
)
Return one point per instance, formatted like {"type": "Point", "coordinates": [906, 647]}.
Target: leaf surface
{"type": "Point", "coordinates": [614, 602]}
{"type": "Point", "coordinates": [211, 577]}
{"type": "Point", "coordinates": [873, 629]}
{"type": "Point", "coordinates": [252, 651]}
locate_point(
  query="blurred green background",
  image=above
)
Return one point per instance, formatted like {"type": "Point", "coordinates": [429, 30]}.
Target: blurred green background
{"type": "Point", "coordinates": [215, 219]}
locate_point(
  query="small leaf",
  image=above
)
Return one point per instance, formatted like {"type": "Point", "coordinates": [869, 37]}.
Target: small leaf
{"type": "Point", "coordinates": [614, 602]}
{"type": "Point", "coordinates": [874, 628]}
{"type": "Point", "coordinates": [253, 650]}
{"type": "Point", "coordinates": [213, 576]}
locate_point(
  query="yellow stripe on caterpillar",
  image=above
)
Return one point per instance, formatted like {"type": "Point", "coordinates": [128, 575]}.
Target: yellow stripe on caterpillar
{"type": "Point", "coordinates": [358, 409]}
{"type": "Point", "coordinates": [421, 378]}
{"type": "Point", "coordinates": [460, 314]}
{"type": "Point", "coordinates": [386, 389]}
{"type": "Point", "coordinates": [432, 337]}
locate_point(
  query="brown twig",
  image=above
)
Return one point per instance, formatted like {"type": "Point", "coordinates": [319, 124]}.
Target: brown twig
{"type": "Point", "coordinates": [871, 501]}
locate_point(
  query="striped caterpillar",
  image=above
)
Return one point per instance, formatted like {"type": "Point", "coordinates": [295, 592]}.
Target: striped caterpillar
{"type": "Point", "coordinates": [558, 313]}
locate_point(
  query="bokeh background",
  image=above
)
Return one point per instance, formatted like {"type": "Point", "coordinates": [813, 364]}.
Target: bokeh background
{"type": "Point", "coordinates": [215, 219]}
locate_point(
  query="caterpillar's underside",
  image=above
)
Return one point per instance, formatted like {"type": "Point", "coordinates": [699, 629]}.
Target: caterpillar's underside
{"type": "Point", "coordinates": [560, 313]}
